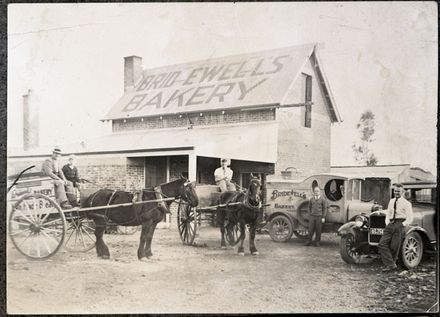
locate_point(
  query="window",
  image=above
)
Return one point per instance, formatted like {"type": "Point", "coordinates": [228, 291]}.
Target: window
{"type": "Point", "coordinates": [334, 189]}
{"type": "Point", "coordinates": [307, 79]}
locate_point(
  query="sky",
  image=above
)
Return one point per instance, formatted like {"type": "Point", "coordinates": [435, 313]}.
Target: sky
{"type": "Point", "coordinates": [378, 56]}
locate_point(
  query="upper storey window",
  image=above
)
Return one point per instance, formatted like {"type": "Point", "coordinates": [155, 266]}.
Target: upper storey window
{"type": "Point", "coordinates": [307, 80]}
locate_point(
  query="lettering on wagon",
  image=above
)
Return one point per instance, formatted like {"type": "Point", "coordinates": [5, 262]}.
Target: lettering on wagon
{"type": "Point", "coordinates": [287, 193]}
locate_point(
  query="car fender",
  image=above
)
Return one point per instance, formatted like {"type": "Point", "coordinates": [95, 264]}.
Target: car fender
{"type": "Point", "coordinates": [423, 233]}
{"type": "Point", "coordinates": [349, 227]}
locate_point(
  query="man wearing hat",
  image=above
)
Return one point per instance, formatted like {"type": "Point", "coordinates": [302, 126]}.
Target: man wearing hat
{"type": "Point", "coordinates": [223, 176]}
{"type": "Point", "coordinates": [71, 172]}
{"type": "Point", "coordinates": [62, 185]}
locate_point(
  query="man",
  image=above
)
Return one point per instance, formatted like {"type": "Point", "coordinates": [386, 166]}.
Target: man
{"type": "Point", "coordinates": [398, 215]}
{"type": "Point", "coordinates": [223, 176]}
{"type": "Point", "coordinates": [317, 212]}
{"type": "Point", "coordinates": [71, 172]}
{"type": "Point", "coordinates": [62, 185]}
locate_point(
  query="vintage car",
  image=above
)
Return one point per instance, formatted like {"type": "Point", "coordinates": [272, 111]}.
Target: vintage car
{"type": "Point", "coordinates": [362, 235]}
{"type": "Point", "coordinates": [346, 196]}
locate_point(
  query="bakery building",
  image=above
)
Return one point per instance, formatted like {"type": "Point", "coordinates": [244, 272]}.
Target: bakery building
{"type": "Point", "coordinates": [267, 112]}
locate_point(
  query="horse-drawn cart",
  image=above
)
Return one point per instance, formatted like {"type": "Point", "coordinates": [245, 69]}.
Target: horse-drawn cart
{"type": "Point", "coordinates": [190, 218]}
{"type": "Point", "coordinates": [37, 225]}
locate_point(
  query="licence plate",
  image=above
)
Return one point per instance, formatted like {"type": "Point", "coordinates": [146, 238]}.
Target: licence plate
{"type": "Point", "coordinates": [376, 231]}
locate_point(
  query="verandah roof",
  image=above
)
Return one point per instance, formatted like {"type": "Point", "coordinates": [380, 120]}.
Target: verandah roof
{"type": "Point", "coordinates": [251, 142]}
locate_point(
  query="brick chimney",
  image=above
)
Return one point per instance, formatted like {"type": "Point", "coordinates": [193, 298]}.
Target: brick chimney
{"type": "Point", "coordinates": [30, 121]}
{"type": "Point", "coordinates": [132, 71]}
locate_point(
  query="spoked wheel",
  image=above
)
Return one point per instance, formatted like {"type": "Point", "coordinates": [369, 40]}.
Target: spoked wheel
{"type": "Point", "coordinates": [232, 233]}
{"type": "Point", "coordinates": [346, 248]}
{"type": "Point", "coordinates": [80, 236]}
{"type": "Point", "coordinates": [37, 226]}
{"type": "Point", "coordinates": [187, 223]}
{"type": "Point", "coordinates": [411, 252]}
{"type": "Point", "coordinates": [280, 229]}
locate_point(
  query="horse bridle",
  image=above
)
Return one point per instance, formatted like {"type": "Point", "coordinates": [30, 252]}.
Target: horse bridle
{"type": "Point", "coordinates": [184, 197]}
{"type": "Point", "coordinates": [248, 201]}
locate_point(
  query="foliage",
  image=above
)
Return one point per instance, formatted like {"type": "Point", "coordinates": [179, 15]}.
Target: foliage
{"type": "Point", "coordinates": [362, 152]}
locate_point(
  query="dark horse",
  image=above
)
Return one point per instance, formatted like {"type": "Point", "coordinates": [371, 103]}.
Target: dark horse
{"type": "Point", "coordinates": [247, 212]}
{"type": "Point", "coordinates": [148, 214]}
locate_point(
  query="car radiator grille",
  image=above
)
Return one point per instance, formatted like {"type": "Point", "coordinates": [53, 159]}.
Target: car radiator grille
{"type": "Point", "coordinates": [376, 222]}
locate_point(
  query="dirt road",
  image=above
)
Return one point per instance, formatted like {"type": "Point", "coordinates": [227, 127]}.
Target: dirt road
{"type": "Point", "coordinates": [285, 277]}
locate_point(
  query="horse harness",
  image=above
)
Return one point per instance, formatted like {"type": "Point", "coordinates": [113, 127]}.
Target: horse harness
{"type": "Point", "coordinates": [158, 194]}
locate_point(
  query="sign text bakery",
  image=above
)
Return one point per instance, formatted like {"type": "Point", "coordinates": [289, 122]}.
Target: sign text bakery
{"type": "Point", "coordinates": [204, 84]}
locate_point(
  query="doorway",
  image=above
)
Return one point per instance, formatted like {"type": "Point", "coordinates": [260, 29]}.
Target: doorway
{"type": "Point", "coordinates": [155, 170]}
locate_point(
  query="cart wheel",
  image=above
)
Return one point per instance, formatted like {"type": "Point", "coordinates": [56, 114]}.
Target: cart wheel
{"type": "Point", "coordinates": [80, 235]}
{"type": "Point", "coordinates": [187, 223]}
{"type": "Point", "coordinates": [232, 233]}
{"type": "Point", "coordinates": [127, 230]}
{"type": "Point", "coordinates": [37, 226]}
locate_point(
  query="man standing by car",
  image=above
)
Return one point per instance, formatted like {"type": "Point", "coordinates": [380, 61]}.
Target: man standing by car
{"type": "Point", "coordinates": [317, 212]}
{"type": "Point", "coordinates": [398, 215]}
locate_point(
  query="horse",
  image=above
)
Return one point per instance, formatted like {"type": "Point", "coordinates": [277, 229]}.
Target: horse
{"type": "Point", "coordinates": [146, 214]}
{"type": "Point", "coordinates": [247, 212]}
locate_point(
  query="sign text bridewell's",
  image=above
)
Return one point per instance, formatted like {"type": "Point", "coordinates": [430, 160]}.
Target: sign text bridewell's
{"type": "Point", "coordinates": [204, 84]}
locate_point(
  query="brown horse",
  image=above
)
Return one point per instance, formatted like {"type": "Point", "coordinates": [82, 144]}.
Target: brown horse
{"type": "Point", "coordinates": [148, 215]}
{"type": "Point", "coordinates": [246, 212]}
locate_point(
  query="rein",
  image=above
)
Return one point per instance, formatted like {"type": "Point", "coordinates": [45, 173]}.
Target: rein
{"type": "Point", "coordinates": [136, 210]}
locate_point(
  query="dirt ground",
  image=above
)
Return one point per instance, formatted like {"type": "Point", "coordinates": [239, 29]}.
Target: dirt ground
{"type": "Point", "coordinates": [285, 277]}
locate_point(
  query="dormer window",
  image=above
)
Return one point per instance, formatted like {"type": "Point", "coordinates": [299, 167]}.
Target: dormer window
{"type": "Point", "coordinates": [307, 118]}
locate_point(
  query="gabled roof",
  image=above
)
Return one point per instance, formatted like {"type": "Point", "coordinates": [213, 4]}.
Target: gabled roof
{"type": "Point", "coordinates": [232, 82]}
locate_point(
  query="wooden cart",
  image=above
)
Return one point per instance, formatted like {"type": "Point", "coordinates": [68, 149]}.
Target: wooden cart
{"type": "Point", "coordinates": [189, 218]}
{"type": "Point", "coordinates": [37, 225]}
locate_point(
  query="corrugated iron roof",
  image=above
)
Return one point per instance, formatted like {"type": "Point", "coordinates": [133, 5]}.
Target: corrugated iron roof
{"type": "Point", "coordinates": [217, 141]}
{"type": "Point", "coordinates": [238, 81]}
{"type": "Point", "coordinates": [386, 171]}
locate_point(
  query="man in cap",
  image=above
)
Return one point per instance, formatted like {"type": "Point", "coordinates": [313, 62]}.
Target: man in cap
{"type": "Point", "coordinates": [62, 185]}
{"type": "Point", "coordinates": [71, 171]}
{"type": "Point", "coordinates": [223, 176]}
{"type": "Point", "coordinates": [398, 215]}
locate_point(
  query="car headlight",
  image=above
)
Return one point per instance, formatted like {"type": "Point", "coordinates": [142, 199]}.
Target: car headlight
{"type": "Point", "coordinates": [359, 221]}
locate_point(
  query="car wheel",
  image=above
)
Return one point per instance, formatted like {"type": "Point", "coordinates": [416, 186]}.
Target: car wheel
{"type": "Point", "coordinates": [280, 229]}
{"type": "Point", "coordinates": [411, 251]}
{"type": "Point", "coordinates": [346, 249]}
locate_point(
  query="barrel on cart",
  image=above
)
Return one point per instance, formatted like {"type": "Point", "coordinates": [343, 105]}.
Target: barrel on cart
{"type": "Point", "coordinates": [190, 218]}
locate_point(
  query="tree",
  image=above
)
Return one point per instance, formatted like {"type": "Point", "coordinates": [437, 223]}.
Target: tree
{"type": "Point", "coordinates": [362, 152]}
